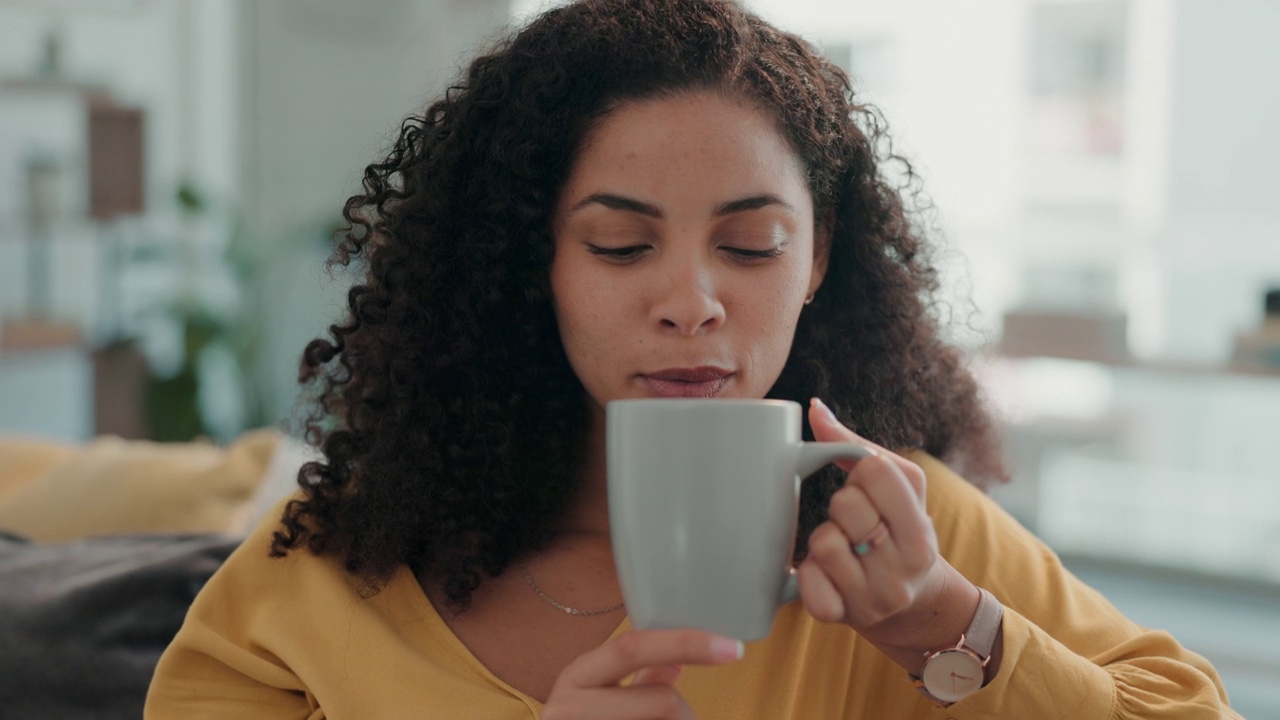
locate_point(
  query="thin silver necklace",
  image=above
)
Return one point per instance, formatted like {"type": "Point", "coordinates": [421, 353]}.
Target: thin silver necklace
{"type": "Point", "coordinates": [561, 606]}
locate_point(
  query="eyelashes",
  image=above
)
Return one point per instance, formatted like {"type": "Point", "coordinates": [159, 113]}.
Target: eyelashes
{"type": "Point", "coordinates": [623, 253]}
{"type": "Point", "coordinates": [772, 252]}
{"type": "Point", "coordinates": [634, 252]}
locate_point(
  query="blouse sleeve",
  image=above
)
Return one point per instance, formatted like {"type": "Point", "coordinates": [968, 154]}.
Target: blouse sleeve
{"type": "Point", "coordinates": [218, 665]}
{"type": "Point", "coordinates": [1067, 653]}
{"type": "Point", "coordinates": [203, 675]}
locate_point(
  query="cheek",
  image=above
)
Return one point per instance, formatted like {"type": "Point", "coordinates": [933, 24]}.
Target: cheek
{"type": "Point", "coordinates": [584, 312]}
{"type": "Point", "coordinates": [774, 316]}
{"type": "Point", "coordinates": [783, 299]}
{"type": "Point", "coordinates": [582, 329]}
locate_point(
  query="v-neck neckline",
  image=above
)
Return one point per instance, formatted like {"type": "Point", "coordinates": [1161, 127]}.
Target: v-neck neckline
{"type": "Point", "coordinates": [440, 628]}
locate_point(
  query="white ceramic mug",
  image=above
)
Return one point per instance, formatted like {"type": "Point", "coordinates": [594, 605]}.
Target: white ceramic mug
{"type": "Point", "coordinates": [703, 505]}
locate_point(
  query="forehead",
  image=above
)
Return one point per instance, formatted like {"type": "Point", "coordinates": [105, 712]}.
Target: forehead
{"type": "Point", "coordinates": [699, 141]}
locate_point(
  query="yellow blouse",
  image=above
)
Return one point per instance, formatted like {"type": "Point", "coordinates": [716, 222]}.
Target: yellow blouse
{"type": "Point", "coordinates": [292, 638]}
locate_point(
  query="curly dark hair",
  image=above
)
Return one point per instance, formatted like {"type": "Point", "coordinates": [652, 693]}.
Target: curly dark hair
{"type": "Point", "coordinates": [452, 425]}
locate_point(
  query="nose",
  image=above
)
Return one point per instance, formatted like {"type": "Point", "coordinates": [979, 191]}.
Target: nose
{"type": "Point", "coordinates": [687, 302]}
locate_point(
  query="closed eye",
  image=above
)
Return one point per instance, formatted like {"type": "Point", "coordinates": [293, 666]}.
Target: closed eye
{"type": "Point", "coordinates": [746, 255]}
{"type": "Point", "coordinates": [629, 252]}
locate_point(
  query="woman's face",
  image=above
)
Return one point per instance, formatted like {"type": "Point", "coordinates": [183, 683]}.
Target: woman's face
{"type": "Point", "coordinates": [684, 249]}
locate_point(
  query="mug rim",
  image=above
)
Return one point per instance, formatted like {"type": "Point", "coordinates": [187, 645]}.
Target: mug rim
{"type": "Point", "coordinates": [668, 402]}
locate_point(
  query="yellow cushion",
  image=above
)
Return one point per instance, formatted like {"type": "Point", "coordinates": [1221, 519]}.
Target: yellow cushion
{"type": "Point", "coordinates": [120, 486]}
{"type": "Point", "coordinates": [23, 461]}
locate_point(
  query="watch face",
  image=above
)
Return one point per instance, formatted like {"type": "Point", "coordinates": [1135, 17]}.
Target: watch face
{"type": "Point", "coordinates": [952, 675]}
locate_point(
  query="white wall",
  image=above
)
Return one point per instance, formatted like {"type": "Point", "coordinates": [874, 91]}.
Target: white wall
{"type": "Point", "coordinates": [327, 85]}
{"type": "Point", "coordinates": [1226, 108]}
{"type": "Point", "coordinates": [1221, 241]}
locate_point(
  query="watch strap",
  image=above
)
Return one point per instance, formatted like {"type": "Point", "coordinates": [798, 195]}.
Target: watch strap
{"type": "Point", "coordinates": [981, 635]}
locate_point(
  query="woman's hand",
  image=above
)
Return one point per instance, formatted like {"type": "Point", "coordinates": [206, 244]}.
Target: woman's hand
{"type": "Point", "coordinates": [589, 686]}
{"type": "Point", "coordinates": [874, 564]}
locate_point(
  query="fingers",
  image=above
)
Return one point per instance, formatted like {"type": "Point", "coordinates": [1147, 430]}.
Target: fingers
{"type": "Point", "coordinates": [853, 512]}
{"type": "Point", "coordinates": [883, 577]}
{"type": "Point", "coordinates": [635, 651]}
{"type": "Point", "coordinates": [903, 511]}
{"type": "Point", "coordinates": [890, 485]}
{"type": "Point", "coordinates": [828, 429]}
{"type": "Point", "coordinates": [661, 675]}
{"type": "Point", "coordinates": [588, 686]}
{"type": "Point", "coordinates": [821, 597]}
{"type": "Point", "coordinates": [877, 492]}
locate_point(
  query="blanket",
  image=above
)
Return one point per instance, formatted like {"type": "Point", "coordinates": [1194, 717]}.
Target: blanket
{"type": "Point", "coordinates": [82, 624]}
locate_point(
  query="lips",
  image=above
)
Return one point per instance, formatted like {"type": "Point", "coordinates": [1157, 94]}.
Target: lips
{"type": "Point", "coordinates": [698, 382]}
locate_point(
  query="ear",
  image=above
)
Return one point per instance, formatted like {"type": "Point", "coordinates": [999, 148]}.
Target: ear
{"type": "Point", "coordinates": [822, 233]}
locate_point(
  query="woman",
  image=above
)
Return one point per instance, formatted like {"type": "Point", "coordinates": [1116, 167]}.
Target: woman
{"type": "Point", "coordinates": [636, 199]}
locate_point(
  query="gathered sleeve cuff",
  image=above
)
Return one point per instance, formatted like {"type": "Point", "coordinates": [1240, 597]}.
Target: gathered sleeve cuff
{"type": "Point", "coordinates": [1067, 652]}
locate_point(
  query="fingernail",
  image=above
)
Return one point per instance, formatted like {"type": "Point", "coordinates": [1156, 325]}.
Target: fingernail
{"type": "Point", "coordinates": [723, 648]}
{"type": "Point", "coordinates": [831, 417]}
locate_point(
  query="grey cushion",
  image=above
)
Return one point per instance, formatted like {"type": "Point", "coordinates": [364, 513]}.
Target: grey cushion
{"type": "Point", "coordinates": [82, 624]}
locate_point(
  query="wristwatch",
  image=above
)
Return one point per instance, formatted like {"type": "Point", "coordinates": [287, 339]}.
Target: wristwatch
{"type": "Point", "coordinates": [955, 672]}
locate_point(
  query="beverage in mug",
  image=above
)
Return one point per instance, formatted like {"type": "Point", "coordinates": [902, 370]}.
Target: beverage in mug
{"type": "Point", "coordinates": [703, 503]}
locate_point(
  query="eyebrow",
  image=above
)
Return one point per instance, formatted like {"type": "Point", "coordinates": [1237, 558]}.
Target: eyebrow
{"type": "Point", "coordinates": [619, 202]}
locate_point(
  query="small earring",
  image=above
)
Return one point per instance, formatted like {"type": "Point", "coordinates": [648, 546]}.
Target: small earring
{"type": "Point", "coordinates": [808, 299]}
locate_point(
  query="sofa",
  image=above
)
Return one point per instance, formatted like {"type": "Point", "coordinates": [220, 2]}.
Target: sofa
{"type": "Point", "coordinates": [103, 546]}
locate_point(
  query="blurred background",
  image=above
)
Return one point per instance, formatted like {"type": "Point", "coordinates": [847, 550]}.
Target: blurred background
{"type": "Point", "coordinates": [1102, 176]}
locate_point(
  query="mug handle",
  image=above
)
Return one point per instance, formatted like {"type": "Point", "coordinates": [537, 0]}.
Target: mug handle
{"type": "Point", "coordinates": [813, 456]}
